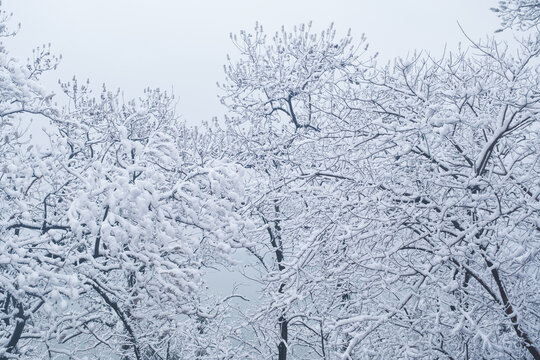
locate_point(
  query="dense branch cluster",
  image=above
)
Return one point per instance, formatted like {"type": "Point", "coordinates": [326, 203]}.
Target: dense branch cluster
{"type": "Point", "coordinates": [376, 211]}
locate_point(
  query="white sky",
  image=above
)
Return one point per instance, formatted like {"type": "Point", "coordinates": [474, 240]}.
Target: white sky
{"type": "Point", "coordinates": [180, 44]}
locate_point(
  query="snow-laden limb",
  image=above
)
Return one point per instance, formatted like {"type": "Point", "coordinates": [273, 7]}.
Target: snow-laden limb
{"type": "Point", "coordinates": [521, 14]}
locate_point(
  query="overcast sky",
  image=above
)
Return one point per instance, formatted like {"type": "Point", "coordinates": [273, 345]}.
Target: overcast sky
{"type": "Point", "coordinates": [179, 44]}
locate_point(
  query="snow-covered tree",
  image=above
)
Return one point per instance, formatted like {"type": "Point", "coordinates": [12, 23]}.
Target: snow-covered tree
{"type": "Point", "coordinates": [106, 231]}
{"type": "Point", "coordinates": [386, 211]}
{"type": "Point", "coordinates": [290, 128]}
{"type": "Point", "coordinates": [400, 202]}
{"type": "Point", "coordinates": [456, 190]}
{"type": "Point", "coordinates": [143, 214]}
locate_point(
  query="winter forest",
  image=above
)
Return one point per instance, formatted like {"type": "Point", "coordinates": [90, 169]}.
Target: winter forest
{"type": "Point", "coordinates": [376, 210]}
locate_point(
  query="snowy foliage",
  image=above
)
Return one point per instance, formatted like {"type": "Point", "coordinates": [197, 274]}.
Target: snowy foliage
{"type": "Point", "coordinates": [379, 212]}
{"type": "Point", "coordinates": [400, 202]}
{"type": "Point", "coordinates": [522, 14]}
{"type": "Point", "coordinates": [105, 232]}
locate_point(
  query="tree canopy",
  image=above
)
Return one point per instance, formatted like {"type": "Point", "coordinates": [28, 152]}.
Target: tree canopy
{"type": "Point", "coordinates": [378, 211]}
